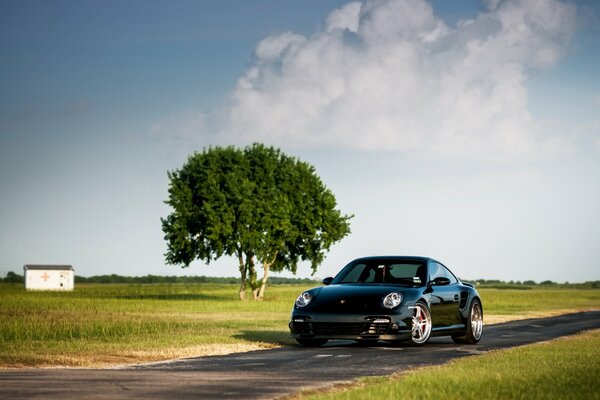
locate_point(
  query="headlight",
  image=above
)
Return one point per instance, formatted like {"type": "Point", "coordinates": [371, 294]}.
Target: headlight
{"type": "Point", "coordinates": [390, 301]}
{"type": "Point", "coordinates": [303, 299]}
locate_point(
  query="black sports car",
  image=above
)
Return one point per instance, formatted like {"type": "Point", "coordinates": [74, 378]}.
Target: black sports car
{"type": "Point", "coordinates": [389, 298]}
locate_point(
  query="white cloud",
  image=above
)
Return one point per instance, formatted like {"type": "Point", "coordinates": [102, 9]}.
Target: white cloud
{"type": "Point", "coordinates": [389, 74]}
{"type": "Point", "coordinates": [346, 17]}
{"type": "Point", "coordinates": [270, 50]}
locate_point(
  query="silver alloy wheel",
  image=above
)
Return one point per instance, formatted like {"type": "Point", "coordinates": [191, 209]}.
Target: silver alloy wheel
{"type": "Point", "coordinates": [476, 320]}
{"type": "Point", "coordinates": [421, 324]}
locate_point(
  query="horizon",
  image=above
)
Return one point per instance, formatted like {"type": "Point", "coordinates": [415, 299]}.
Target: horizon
{"type": "Point", "coordinates": [286, 276]}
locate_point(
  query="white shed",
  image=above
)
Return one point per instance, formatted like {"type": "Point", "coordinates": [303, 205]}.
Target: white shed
{"type": "Point", "coordinates": [49, 277]}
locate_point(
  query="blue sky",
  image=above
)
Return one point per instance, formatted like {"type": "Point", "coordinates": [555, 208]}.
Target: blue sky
{"type": "Point", "coordinates": [468, 131]}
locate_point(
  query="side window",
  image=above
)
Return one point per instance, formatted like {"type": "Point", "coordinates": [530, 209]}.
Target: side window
{"type": "Point", "coordinates": [449, 274]}
{"type": "Point", "coordinates": [435, 271]}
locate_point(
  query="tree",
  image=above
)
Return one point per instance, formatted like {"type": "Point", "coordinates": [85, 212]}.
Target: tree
{"type": "Point", "coordinates": [256, 204]}
{"type": "Point", "coordinates": [12, 277]}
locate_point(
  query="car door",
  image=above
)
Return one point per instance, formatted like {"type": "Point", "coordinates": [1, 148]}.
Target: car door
{"type": "Point", "coordinates": [445, 298]}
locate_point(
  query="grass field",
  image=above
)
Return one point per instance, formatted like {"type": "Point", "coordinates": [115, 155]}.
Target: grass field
{"type": "Point", "coordinates": [566, 368]}
{"type": "Point", "coordinates": [508, 304]}
{"type": "Point", "coordinates": [105, 324]}
{"type": "Point", "coordinates": [108, 324]}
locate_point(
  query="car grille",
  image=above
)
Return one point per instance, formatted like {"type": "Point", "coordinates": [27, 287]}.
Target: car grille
{"type": "Point", "coordinates": [324, 328]}
{"type": "Point", "coordinates": [301, 328]}
{"type": "Point", "coordinates": [377, 327]}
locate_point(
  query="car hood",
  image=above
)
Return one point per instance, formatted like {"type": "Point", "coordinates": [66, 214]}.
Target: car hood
{"type": "Point", "coordinates": [353, 298]}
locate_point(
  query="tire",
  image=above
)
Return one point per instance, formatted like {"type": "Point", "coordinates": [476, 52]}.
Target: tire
{"type": "Point", "coordinates": [474, 325]}
{"type": "Point", "coordinates": [421, 324]}
{"type": "Point", "coordinates": [311, 342]}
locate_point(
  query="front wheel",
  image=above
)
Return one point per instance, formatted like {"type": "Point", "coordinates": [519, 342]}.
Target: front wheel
{"type": "Point", "coordinates": [421, 325]}
{"type": "Point", "coordinates": [311, 342]}
{"type": "Point", "coordinates": [474, 325]}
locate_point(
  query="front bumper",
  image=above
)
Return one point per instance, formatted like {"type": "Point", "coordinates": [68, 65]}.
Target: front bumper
{"type": "Point", "coordinates": [391, 327]}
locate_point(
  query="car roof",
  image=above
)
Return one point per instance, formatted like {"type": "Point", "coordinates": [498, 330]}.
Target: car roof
{"type": "Point", "coordinates": [406, 258]}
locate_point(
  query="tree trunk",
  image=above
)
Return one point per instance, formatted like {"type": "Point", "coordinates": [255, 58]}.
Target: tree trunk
{"type": "Point", "coordinates": [266, 269]}
{"type": "Point", "coordinates": [261, 292]}
{"type": "Point", "coordinates": [252, 282]}
{"type": "Point", "coordinates": [242, 266]}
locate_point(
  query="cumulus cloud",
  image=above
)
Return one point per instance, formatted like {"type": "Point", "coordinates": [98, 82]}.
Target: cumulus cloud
{"type": "Point", "coordinates": [390, 74]}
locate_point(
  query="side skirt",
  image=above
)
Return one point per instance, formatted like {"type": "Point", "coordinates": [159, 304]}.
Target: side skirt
{"type": "Point", "coordinates": [449, 330]}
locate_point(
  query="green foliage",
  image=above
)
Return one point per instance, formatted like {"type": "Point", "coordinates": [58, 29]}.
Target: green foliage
{"type": "Point", "coordinates": [252, 203]}
{"type": "Point", "coordinates": [12, 277]}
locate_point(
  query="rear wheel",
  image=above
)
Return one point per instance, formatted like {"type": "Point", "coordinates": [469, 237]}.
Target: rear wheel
{"type": "Point", "coordinates": [421, 324]}
{"type": "Point", "coordinates": [311, 342]}
{"type": "Point", "coordinates": [474, 325]}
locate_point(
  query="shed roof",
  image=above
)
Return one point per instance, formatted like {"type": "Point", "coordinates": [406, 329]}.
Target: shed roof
{"type": "Point", "coordinates": [48, 267]}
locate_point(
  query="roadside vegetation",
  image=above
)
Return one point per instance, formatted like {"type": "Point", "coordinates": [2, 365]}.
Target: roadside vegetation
{"type": "Point", "coordinates": [13, 277]}
{"type": "Point", "coordinates": [508, 304]}
{"type": "Point", "coordinates": [108, 324]}
{"type": "Point", "coordinates": [528, 285]}
{"type": "Point", "coordinates": [565, 368]}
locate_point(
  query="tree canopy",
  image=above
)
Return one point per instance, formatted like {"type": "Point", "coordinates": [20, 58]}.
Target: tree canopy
{"type": "Point", "coordinates": [257, 204]}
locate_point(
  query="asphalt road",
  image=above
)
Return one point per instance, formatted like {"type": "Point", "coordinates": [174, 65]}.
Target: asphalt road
{"type": "Point", "coordinates": [268, 374]}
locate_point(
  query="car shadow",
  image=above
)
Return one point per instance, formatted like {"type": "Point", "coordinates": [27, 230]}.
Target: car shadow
{"type": "Point", "coordinates": [437, 342]}
{"type": "Point", "coordinates": [282, 338]}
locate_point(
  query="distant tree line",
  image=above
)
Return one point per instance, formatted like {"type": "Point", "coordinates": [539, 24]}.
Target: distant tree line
{"type": "Point", "coordinates": [529, 284]}
{"type": "Point", "coordinates": [12, 277]}
{"type": "Point", "coordinates": [183, 279]}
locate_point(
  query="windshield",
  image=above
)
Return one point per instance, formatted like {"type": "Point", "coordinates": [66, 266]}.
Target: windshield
{"type": "Point", "coordinates": [383, 271]}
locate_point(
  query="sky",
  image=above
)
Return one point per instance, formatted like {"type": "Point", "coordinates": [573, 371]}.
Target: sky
{"type": "Point", "coordinates": [467, 131]}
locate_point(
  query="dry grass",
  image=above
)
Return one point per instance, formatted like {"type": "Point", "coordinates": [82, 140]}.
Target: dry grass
{"type": "Point", "coordinates": [126, 358]}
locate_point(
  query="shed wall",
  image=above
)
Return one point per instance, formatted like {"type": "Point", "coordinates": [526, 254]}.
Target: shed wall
{"type": "Point", "coordinates": [49, 279]}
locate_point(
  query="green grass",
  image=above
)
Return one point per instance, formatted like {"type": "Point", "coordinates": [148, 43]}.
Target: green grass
{"type": "Point", "coordinates": [567, 368]}
{"type": "Point", "coordinates": [99, 324]}
{"type": "Point", "coordinates": [120, 323]}
{"type": "Point", "coordinates": [524, 302]}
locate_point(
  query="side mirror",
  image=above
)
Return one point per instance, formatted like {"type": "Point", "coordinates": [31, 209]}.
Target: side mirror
{"type": "Point", "coordinates": [440, 281]}
{"type": "Point", "coordinates": [327, 280]}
